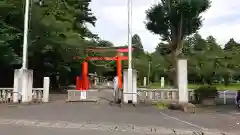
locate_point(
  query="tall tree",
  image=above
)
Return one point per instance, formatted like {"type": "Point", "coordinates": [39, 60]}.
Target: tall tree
{"type": "Point", "coordinates": [162, 49]}
{"type": "Point", "coordinates": [57, 32]}
{"type": "Point", "coordinates": [104, 43]}
{"type": "Point", "coordinates": [199, 44]}
{"type": "Point", "coordinates": [137, 43]}
{"type": "Point", "coordinates": [212, 44]}
{"type": "Point", "coordinates": [188, 46]}
{"type": "Point", "coordinates": [174, 20]}
{"type": "Point", "coordinates": [231, 44]}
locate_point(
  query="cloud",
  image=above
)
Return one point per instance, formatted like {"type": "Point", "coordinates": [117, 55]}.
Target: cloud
{"type": "Point", "coordinates": [221, 21]}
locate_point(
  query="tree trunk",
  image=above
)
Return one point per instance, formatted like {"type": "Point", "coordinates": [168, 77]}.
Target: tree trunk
{"type": "Point", "coordinates": [226, 80]}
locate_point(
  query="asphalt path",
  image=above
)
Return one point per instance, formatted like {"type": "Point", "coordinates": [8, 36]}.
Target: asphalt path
{"type": "Point", "coordinates": [61, 118]}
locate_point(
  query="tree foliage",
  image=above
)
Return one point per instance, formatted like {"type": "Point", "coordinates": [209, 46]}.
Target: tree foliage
{"type": "Point", "coordinates": [137, 44]}
{"type": "Point", "coordinates": [208, 63]}
{"type": "Point", "coordinates": [174, 20]}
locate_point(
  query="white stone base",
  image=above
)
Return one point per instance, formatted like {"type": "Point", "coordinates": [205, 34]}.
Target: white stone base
{"type": "Point", "coordinates": [83, 95]}
{"type": "Point", "coordinates": [130, 87]}
{"type": "Point", "coordinates": [23, 83]}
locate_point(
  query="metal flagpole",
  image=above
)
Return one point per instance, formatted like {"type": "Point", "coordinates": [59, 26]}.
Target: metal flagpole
{"type": "Point", "coordinates": [129, 34]}
{"type": "Point", "coordinates": [25, 35]}
{"type": "Point", "coordinates": [129, 86]}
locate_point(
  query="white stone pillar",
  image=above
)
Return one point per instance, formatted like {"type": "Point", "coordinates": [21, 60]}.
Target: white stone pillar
{"type": "Point", "coordinates": [150, 95]}
{"type": "Point", "coordinates": [162, 82]}
{"type": "Point", "coordinates": [83, 95]}
{"type": "Point", "coordinates": [95, 81]}
{"type": "Point", "coordinates": [30, 84]}
{"type": "Point", "coordinates": [27, 84]}
{"type": "Point", "coordinates": [125, 87]}
{"type": "Point", "coordinates": [46, 87]}
{"type": "Point", "coordinates": [23, 82]}
{"type": "Point", "coordinates": [145, 81]}
{"type": "Point", "coordinates": [134, 87]}
{"type": "Point", "coordinates": [17, 91]}
{"type": "Point", "coordinates": [130, 94]}
{"type": "Point", "coordinates": [182, 80]}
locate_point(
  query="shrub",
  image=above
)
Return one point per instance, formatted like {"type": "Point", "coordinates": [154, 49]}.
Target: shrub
{"type": "Point", "coordinates": [206, 92]}
{"type": "Point", "coordinates": [161, 105]}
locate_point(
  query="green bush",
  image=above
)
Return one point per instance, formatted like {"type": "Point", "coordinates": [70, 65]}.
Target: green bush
{"type": "Point", "coordinates": [161, 105]}
{"type": "Point", "coordinates": [206, 92]}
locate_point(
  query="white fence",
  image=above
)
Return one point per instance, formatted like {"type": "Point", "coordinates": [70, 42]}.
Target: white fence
{"type": "Point", "coordinates": [38, 94]}
{"type": "Point", "coordinates": [225, 97]}
{"type": "Point", "coordinates": [154, 95]}
{"type": "Point", "coordinates": [161, 94]}
{"type": "Point", "coordinates": [228, 96]}
{"type": "Point", "coordinates": [6, 95]}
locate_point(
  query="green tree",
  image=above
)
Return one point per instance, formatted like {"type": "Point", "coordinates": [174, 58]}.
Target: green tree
{"type": "Point", "coordinates": [231, 44]}
{"type": "Point", "coordinates": [137, 44]}
{"type": "Point", "coordinates": [163, 49]}
{"type": "Point", "coordinates": [57, 32]}
{"type": "Point", "coordinates": [212, 44]}
{"type": "Point", "coordinates": [104, 43]}
{"type": "Point", "coordinates": [199, 44]}
{"type": "Point", "coordinates": [188, 46]}
{"type": "Point", "coordinates": [174, 20]}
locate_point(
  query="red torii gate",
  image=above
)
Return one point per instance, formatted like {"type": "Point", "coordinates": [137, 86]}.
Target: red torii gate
{"type": "Point", "coordinates": [83, 84]}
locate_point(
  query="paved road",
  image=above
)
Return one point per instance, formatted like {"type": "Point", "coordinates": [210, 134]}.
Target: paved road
{"type": "Point", "coordinates": [88, 119]}
{"type": "Point", "coordinates": [95, 113]}
{"type": "Point", "coordinates": [23, 130]}
{"type": "Point", "coordinates": [58, 118]}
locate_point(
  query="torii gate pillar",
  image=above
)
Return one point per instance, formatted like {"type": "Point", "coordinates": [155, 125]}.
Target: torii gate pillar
{"type": "Point", "coordinates": [84, 80]}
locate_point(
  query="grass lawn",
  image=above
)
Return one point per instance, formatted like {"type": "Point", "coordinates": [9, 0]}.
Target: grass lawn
{"type": "Point", "coordinates": [235, 86]}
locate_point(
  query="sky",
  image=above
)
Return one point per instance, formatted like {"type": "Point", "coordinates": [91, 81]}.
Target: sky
{"type": "Point", "coordinates": [222, 21]}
